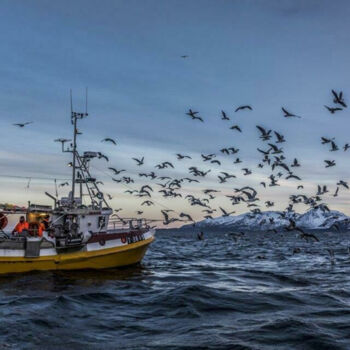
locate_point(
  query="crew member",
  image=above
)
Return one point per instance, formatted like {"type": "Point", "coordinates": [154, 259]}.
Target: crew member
{"type": "Point", "coordinates": [21, 226]}
{"type": "Point", "coordinates": [46, 222]}
{"type": "Point", "coordinates": [41, 228]}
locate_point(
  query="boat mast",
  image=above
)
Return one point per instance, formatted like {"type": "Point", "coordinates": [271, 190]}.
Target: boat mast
{"type": "Point", "coordinates": [74, 157]}
{"type": "Point", "coordinates": [80, 165]}
{"type": "Point", "coordinates": [74, 118]}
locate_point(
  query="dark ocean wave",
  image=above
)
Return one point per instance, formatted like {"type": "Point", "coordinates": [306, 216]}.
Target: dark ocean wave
{"type": "Point", "coordinates": [257, 293]}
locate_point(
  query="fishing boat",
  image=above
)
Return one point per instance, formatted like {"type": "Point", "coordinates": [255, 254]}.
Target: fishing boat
{"type": "Point", "coordinates": [82, 231]}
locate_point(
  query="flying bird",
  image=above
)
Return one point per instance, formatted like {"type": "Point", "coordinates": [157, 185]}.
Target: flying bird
{"type": "Point", "coordinates": [265, 134]}
{"type": "Point", "coordinates": [183, 215]}
{"type": "Point", "coordinates": [329, 163]}
{"type": "Point", "coordinates": [338, 98]}
{"type": "Point", "coordinates": [225, 213]}
{"type": "Point", "coordinates": [21, 125]}
{"type": "Point", "coordinates": [280, 138]}
{"type": "Point", "coordinates": [240, 108]}
{"type": "Point", "coordinates": [116, 172]}
{"type": "Point", "coordinates": [295, 163]}
{"type": "Point", "coordinates": [139, 161]}
{"type": "Point", "coordinates": [101, 155]}
{"type": "Point", "coordinates": [288, 114]}
{"type": "Point", "coordinates": [180, 156]}
{"type": "Point", "coordinates": [224, 116]}
{"type": "Point", "coordinates": [343, 183]}
{"type": "Point", "coordinates": [108, 139]}
{"type": "Point", "coordinates": [236, 127]}
{"type": "Point", "coordinates": [62, 140]}
{"type": "Point", "coordinates": [333, 109]}
{"type": "Point", "coordinates": [192, 114]}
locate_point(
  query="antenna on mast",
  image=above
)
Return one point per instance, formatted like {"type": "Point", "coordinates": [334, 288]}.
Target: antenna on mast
{"type": "Point", "coordinates": [71, 106]}
{"type": "Point", "coordinates": [86, 101]}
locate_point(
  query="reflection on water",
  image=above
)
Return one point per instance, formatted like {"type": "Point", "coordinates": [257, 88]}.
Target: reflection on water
{"type": "Point", "coordinates": [218, 294]}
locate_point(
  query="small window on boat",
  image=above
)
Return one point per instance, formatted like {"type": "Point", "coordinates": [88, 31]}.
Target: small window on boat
{"type": "Point", "coordinates": [101, 222]}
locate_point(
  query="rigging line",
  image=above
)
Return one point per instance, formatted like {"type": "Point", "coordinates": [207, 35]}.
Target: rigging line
{"type": "Point", "coordinates": [32, 177]}
{"type": "Point", "coordinates": [56, 191]}
{"type": "Point", "coordinates": [130, 188]}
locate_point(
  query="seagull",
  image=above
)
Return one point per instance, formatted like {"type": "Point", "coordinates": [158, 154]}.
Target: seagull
{"type": "Point", "coordinates": [192, 114]}
{"type": "Point", "coordinates": [329, 163]}
{"type": "Point", "coordinates": [308, 236]}
{"type": "Point", "coordinates": [246, 171]}
{"type": "Point", "coordinates": [288, 114]}
{"type": "Point", "coordinates": [108, 139]}
{"type": "Point", "coordinates": [180, 156]}
{"type": "Point", "coordinates": [325, 140]}
{"type": "Point", "coordinates": [116, 172]}
{"type": "Point", "coordinates": [100, 155]}
{"type": "Point", "coordinates": [236, 127]}
{"type": "Point", "coordinates": [338, 98]}
{"type": "Point", "coordinates": [21, 125]}
{"type": "Point", "coordinates": [139, 161]}
{"type": "Point", "coordinates": [333, 110]}
{"type": "Point", "coordinates": [336, 192]}
{"type": "Point", "coordinates": [280, 138]}
{"type": "Point", "coordinates": [225, 213]}
{"type": "Point", "coordinates": [183, 215]}
{"type": "Point", "coordinates": [343, 183]}
{"type": "Point", "coordinates": [224, 116]}
{"type": "Point", "coordinates": [240, 108]}
{"type": "Point", "coordinates": [265, 135]}
{"type": "Point", "coordinates": [233, 150]}
{"type": "Point", "coordinates": [62, 140]}
{"type": "Point", "coordinates": [295, 163]}
{"type": "Point", "coordinates": [334, 147]}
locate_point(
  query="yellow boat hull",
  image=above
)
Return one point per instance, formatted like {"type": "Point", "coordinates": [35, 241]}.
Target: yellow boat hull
{"type": "Point", "coordinates": [101, 259]}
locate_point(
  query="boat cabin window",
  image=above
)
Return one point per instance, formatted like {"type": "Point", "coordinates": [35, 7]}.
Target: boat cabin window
{"type": "Point", "coordinates": [101, 222]}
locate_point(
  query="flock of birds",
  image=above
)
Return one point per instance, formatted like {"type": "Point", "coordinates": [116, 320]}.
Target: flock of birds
{"type": "Point", "coordinates": [272, 155]}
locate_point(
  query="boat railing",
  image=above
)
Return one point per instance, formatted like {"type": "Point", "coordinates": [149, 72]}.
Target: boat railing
{"type": "Point", "coordinates": [128, 224]}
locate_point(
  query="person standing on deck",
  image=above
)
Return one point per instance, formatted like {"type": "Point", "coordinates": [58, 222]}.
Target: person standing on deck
{"type": "Point", "coordinates": [46, 222]}
{"type": "Point", "coordinates": [41, 228]}
{"type": "Point", "coordinates": [21, 226]}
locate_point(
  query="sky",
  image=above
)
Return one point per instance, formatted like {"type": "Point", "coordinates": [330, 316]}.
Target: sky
{"type": "Point", "coordinates": [267, 54]}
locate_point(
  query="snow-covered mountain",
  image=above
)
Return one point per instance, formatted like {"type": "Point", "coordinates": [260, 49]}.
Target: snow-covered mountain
{"type": "Point", "coordinates": [314, 219]}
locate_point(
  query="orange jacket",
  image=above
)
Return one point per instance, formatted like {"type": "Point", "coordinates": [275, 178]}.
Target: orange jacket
{"type": "Point", "coordinates": [21, 226]}
{"type": "Point", "coordinates": [41, 229]}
